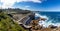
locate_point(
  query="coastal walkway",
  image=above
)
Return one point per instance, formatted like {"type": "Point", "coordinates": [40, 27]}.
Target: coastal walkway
{"type": "Point", "coordinates": [25, 20]}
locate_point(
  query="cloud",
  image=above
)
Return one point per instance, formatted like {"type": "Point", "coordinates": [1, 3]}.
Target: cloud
{"type": "Point", "coordinates": [10, 3]}
{"type": "Point", "coordinates": [27, 6]}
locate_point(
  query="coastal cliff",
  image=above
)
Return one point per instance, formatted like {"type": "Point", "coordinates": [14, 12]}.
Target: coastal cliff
{"type": "Point", "coordinates": [20, 16]}
{"type": "Point", "coordinates": [25, 20]}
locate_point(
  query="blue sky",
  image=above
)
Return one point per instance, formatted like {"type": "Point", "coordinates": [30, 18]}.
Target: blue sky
{"type": "Point", "coordinates": [37, 5]}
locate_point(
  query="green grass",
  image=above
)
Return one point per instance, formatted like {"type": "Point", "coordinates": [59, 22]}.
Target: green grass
{"type": "Point", "coordinates": [7, 24]}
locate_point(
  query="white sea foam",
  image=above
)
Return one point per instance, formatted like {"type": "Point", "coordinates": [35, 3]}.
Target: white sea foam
{"type": "Point", "coordinates": [42, 16]}
{"type": "Point", "coordinates": [45, 23]}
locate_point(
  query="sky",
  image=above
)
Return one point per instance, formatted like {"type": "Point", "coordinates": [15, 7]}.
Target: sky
{"type": "Point", "coordinates": [34, 5]}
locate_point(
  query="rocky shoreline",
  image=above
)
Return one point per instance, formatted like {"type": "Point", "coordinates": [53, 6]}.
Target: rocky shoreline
{"type": "Point", "coordinates": [37, 27]}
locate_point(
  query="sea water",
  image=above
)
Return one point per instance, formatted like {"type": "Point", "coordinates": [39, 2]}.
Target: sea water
{"type": "Point", "coordinates": [53, 18]}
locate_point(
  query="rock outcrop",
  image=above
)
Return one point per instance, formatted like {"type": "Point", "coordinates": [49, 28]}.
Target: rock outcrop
{"type": "Point", "coordinates": [37, 27]}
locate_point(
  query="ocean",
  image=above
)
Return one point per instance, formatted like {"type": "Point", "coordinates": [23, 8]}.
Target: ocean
{"type": "Point", "coordinates": [53, 18]}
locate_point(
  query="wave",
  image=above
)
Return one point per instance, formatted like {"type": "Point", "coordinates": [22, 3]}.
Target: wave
{"type": "Point", "coordinates": [47, 22]}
